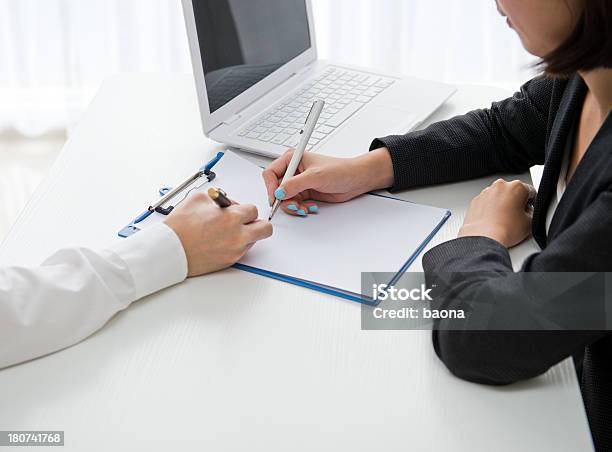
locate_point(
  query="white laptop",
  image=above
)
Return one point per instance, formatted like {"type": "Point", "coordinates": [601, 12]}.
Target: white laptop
{"type": "Point", "coordinates": [257, 74]}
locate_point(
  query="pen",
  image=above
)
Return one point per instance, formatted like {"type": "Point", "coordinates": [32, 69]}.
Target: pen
{"type": "Point", "coordinates": [306, 133]}
{"type": "Point", "coordinates": [220, 197]}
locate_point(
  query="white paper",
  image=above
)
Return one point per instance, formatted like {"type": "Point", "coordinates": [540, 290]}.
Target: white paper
{"type": "Point", "coordinates": [334, 246]}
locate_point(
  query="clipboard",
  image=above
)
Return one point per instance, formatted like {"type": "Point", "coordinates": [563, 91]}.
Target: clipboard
{"type": "Point", "coordinates": [323, 272]}
{"type": "Point", "coordinates": [168, 194]}
{"type": "Point", "coordinates": [347, 295]}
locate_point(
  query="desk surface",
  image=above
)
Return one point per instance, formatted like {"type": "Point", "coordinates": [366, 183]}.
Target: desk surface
{"type": "Point", "coordinates": [233, 361]}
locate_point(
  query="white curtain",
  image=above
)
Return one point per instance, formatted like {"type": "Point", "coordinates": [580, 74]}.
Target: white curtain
{"type": "Point", "coordinates": [55, 53]}
{"type": "Point", "coordinates": [459, 41]}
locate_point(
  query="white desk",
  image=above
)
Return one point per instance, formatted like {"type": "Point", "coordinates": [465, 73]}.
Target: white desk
{"type": "Point", "coordinates": [233, 361]}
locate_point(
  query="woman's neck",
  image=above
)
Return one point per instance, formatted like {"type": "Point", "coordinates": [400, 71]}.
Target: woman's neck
{"type": "Point", "coordinates": [599, 82]}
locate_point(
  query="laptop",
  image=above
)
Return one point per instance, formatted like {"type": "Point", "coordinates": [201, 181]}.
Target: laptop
{"type": "Point", "coordinates": [257, 75]}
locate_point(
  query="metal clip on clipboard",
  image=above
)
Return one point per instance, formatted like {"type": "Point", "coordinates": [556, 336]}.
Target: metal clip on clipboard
{"type": "Point", "coordinates": [168, 194]}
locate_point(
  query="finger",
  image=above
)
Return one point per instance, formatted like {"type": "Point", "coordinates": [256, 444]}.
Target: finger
{"type": "Point", "coordinates": [275, 172]}
{"type": "Point", "coordinates": [247, 213]}
{"type": "Point", "coordinates": [527, 221]}
{"type": "Point", "coordinates": [527, 191]}
{"type": "Point", "coordinates": [199, 197]}
{"type": "Point", "coordinates": [530, 205]}
{"type": "Point", "coordinates": [301, 183]}
{"type": "Point", "coordinates": [271, 182]}
{"type": "Point", "coordinates": [259, 230]}
{"type": "Point", "coordinates": [279, 166]}
{"type": "Point", "coordinates": [311, 207]}
{"type": "Point", "coordinates": [295, 207]}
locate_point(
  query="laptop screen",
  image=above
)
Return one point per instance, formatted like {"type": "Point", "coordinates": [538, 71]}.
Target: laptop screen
{"type": "Point", "coordinates": [244, 41]}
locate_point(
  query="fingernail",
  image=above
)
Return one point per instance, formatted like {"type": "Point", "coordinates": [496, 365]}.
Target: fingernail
{"type": "Point", "coordinates": [301, 212]}
{"type": "Point", "coordinates": [313, 209]}
{"type": "Point", "coordinates": [292, 207]}
{"type": "Point", "coordinates": [280, 194]}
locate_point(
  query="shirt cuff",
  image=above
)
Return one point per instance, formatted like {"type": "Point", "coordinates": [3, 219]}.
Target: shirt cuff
{"type": "Point", "coordinates": [155, 258]}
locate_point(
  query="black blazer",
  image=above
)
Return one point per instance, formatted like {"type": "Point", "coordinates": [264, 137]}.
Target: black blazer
{"type": "Point", "coordinates": [531, 128]}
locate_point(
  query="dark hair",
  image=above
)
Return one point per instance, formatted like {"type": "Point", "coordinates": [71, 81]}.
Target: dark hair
{"type": "Point", "coordinates": [590, 44]}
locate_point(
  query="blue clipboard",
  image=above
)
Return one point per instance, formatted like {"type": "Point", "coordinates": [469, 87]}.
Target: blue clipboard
{"type": "Point", "coordinates": [206, 172]}
{"type": "Point", "coordinates": [169, 193]}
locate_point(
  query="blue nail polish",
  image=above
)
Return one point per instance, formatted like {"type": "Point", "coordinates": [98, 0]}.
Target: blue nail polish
{"type": "Point", "coordinates": [313, 209]}
{"type": "Point", "coordinates": [301, 212]}
{"type": "Point", "coordinates": [279, 194]}
{"type": "Point", "coordinates": [292, 207]}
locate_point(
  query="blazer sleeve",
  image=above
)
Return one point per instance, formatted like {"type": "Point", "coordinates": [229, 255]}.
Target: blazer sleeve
{"type": "Point", "coordinates": [509, 137]}
{"type": "Point", "coordinates": [503, 357]}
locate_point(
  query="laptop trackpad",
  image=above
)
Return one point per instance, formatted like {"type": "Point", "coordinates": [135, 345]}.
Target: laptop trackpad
{"type": "Point", "coordinates": [356, 135]}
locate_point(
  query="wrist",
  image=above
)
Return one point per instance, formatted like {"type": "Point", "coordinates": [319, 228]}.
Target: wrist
{"type": "Point", "coordinates": [176, 225]}
{"type": "Point", "coordinates": [489, 231]}
{"type": "Point", "coordinates": [377, 169]}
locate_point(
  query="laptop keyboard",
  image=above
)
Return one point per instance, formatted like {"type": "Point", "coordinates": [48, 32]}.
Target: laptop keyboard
{"type": "Point", "coordinates": [345, 92]}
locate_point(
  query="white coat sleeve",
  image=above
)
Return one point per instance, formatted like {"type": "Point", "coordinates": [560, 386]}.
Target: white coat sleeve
{"type": "Point", "coordinates": [77, 290]}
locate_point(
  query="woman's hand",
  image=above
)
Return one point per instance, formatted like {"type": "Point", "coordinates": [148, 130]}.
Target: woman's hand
{"type": "Point", "coordinates": [501, 213]}
{"type": "Point", "coordinates": [327, 179]}
{"type": "Point", "coordinates": [215, 238]}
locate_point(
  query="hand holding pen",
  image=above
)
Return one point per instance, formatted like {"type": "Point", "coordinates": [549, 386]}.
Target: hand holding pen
{"type": "Point", "coordinates": [323, 178]}
{"type": "Point", "coordinates": [215, 233]}
{"type": "Point", "coordinates": [297, 155]}
{"type": "Point", "coordinates": [326, 179]}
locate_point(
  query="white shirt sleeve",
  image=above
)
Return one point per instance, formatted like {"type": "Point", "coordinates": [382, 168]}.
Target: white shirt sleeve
{"type": "Point", "coordinates": [77, 290]}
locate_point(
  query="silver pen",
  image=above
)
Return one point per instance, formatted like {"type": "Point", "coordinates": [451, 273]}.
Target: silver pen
{"type": "Point", "coordinates": [306, 133]}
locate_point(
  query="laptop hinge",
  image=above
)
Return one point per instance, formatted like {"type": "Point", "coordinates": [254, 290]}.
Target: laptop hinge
{"type": "Point", "coordinates": [231, 120]}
